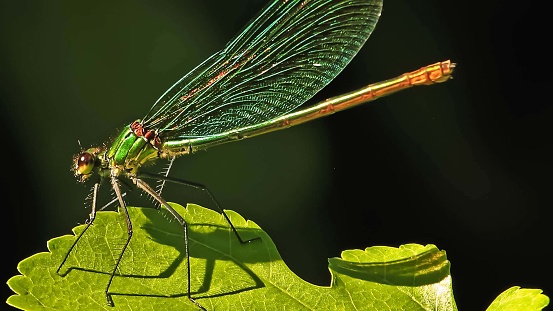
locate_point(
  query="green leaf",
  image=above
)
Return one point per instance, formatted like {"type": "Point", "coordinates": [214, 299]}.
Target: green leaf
{"type": "Point", "coordinates": [225, 275]}
{"type": "Point", "coordinates": [520, 299]}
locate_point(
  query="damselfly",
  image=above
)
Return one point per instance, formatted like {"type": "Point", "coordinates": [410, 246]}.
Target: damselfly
{"type": "Point", "coordinates": [286, 54]}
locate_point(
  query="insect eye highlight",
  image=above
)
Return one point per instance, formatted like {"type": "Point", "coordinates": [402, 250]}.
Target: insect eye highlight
{"type": "Point", "coordinates": [85, 163]}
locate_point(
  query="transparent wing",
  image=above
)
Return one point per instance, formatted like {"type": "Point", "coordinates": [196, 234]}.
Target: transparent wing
{"type": "Point", "coordinates": [287, 53]}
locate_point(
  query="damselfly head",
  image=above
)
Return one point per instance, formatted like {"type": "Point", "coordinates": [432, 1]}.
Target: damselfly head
{"type": "Point", "coordinates": [85, 163]}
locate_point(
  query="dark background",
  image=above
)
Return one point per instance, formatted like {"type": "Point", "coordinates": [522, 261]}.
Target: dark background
{"type": "Point", "coordinates": [464, 165]}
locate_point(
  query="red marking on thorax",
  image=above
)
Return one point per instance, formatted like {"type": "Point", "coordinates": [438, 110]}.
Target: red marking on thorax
{"type": "Point", "coordinates": [148, 135]}
{"type": "Point", "coordinates": [137, 129]}
{"type": "Point", "coordinates": [157, 142]}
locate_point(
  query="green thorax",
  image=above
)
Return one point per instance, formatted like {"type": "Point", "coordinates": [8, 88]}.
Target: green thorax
{"type": "Point", "coordinates": [130, 151]}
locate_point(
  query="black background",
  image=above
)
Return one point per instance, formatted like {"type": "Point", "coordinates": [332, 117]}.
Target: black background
{"type": "Point", "coordinates": [465, 165]}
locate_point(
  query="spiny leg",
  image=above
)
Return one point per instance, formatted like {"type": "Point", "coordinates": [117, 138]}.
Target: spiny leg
{"type": "Point", "coordinates": [115, 185]}
{"type": "Point", "coordinates": [88, 222]}
{"type": "Point", "coordinates": [202, 188]}
{"type": "Point", "coordinates": [111, 202]}
{"type": "Point", "coordinates": [164, 172]}
{"type": "Point", "coordinates": [149, 190]}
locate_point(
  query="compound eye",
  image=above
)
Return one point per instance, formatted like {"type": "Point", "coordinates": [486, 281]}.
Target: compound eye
{"type": "Point", "coordinates": [85, 163]}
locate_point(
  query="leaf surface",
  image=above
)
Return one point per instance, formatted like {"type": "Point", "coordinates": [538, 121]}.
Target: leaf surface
{"type": "Point", "coordinates": [225, 275]}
